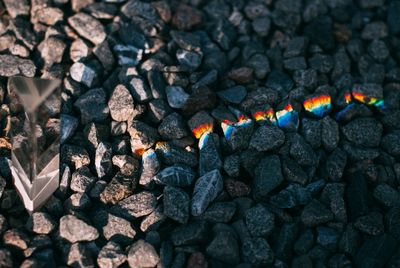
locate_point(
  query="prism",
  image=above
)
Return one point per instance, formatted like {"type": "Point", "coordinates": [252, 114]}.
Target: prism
{"type": "Point", "coordinates": [35, 138]}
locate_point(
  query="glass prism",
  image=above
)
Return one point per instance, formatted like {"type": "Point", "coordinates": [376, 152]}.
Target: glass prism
{"type": "Point", "coordinates": [35, 135]}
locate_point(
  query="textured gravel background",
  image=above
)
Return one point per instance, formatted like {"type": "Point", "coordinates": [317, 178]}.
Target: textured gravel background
{"type": "Point", "coordinates": [171, 154]}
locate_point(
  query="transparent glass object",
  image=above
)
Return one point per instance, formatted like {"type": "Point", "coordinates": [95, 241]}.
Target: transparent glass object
{"type": "Point", "coordinates": [35, 137]}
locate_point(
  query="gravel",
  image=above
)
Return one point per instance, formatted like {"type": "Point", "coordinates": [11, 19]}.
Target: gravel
{"type": "Point", "coordinates": [208, 133]}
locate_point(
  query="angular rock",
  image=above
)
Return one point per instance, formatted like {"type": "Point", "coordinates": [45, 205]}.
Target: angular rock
{"type": "Point", "coordinates": [268, 176]}
{"type": "Point", "coordinates": [220, 212]}
{"type": "Point", "coordinates": [82, 180]}
{"type": "Point", "coordinates": [176, 204]}
{"type": "Point", "coordinates": [259, 221]}
{"type": "Point", "coordinates": [140, 90]}
{"type": "Point", "coordinates": [190, 234]}
{"type": "Point", "coordinates": [121, 104]}
{"type": "Point", "coordinates": [142, 254]}
{"type": "Point", "coordinates": [371, 224]}
{"type": "Point", "coordinates": [150, 167]}
{"type": "Point", "coordinates": [329, 133]}
{"type": "Point", "coordinates": [302, 152]}
{"type": "Point", "coordinates": [224, 247]}
{"type": "Point", "coordinates": [209, 158]}
{"type": "Point", "coordinates": [391, 143]}
{"type": "Point", "coordinates": [233, 95]}
{"type": "Point", "coordinates": [267, 138]}
{"type": "Point", "coordinates": [41, 223]}
{"type": "Point", "coordinates": [13, 65]}
{"type": "Point", "coordinates": [172, 127]}
{"type": "Point", "coordinates": [88, 27]}
{"type": "Point", "coordinates": [315, 213]}
{"type": "Point", "coordinates": [257, 251]}
{"type": "Point", "coordinates": [75, 230]}
{"type": "Point", "coordinates": [178, 175]}
{"type": "Point", "coordinates": [119, 188]}
{"type": "Point", "coordinates": [103, 161]}
{"type": "Point", "coordinates": [118, 230]}
{"type": "Point", "coordinates": [176, 96]}
{"type": "Point", "coordinates": [375, 251]}
{"type": "Point", "coordinates": [137, 205]}
{"type": "Point", "coordinates": [142, 136]}
{"type": "Point", "coordinates": [111, 255]}
{"type": "Point", "coordinates": [335, 164]}
{"type": "Point", "coordinates": [205, 191]}
{"type": "Point", "coordinates": [92, 106]}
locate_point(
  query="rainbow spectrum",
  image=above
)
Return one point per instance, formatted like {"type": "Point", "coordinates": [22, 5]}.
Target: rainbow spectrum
{"type": "Point", "coordinates": [318, 105]}
{"type": "Point", "coordinates": [265, 115]}
{"type": "Point", "coordinates": [201, 129]}
{"type": "Point", "coordinates": [287, 116]}
{"type": "Point", "coordinates": [368, 100]}
{"type": "Point", "coordinates": [228, 127]}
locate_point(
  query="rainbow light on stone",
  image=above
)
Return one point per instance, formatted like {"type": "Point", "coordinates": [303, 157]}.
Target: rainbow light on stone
{"type": "Point", "coordinates": [266, 115]}
{"type": "Point", "coordinates": [347, 97]}
{"type": "Point", "coordinates": [228, 127]}
{"type": "Point", "coordinates": [149, 154]}
{"type": "Point", "coordinates": [379, 103]}
{"type": "Point", "coordinates": [318, 105]}
{"type": "Point", "coordinates": [286, 116]}
{"type": "Point", "coordinates": [203, 128]}
{"type": "Point", "coordinates": [203, 139]}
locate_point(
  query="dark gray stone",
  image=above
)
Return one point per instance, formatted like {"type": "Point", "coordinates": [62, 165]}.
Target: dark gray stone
{"type": "Point", "coordinates": [224, 247]}
{"type": "Point", "coordinates": [315, 213]}
{"type": "Point", "coordinates": [302, 152]}
{"type": "Point", "coordinates": [292, 196]}
{"type": "Point", "coordinates": [176, 204]}
{"type": "Point", "coordinates": [335, 164]}
{"type": "Point", "coordinates": [142, 136]}
{"type": "Point", "coordinates": [209, 156]}
{"type": "Point", "coordinates": [268, 176]}
{"type": "Point", "coordinates": [257, 251]}
{"type": "Point", "coordinates": [220, 212]}
{"type": "Point", "coordinates": [139, 89]}
{"type": "Point", "coordinates": [172, 127]}
{"type": "Point", "coordinates": [327, 237]}
{"type": "Point", "coordinates": [233, 95]}
{"type": "Point", "coordinates": [205, 191]}
{"type": "Point", "coordinates": [371, 224]}
{"type": "Point", "coordinates": [329, 133]}
{"type": "Point", "coordinates": [391, 143]}
{"type": "Point", "coordinates": [176, 96]}
{"type": "Point", "coordinates": [103, 161]}
{"type": "Point", "coordinates": [190, 234]}
{"type": "Point", "coordinates": [136, 205]}
{"type": "Point", "coordinates": [259, 221]}
{"type": "Point", "coordinates": [178, 175]}
{"type": "Point", "coordinates": [293, 171]}
{"type": "Point", "coordinates": [92, 106]}
{"type": "Point", "coordinates": [267, 138]}
{"type": "Point", "coordinates": [375, 251]}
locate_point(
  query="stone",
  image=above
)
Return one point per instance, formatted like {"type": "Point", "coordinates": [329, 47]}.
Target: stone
{"type": "Point", "coordinates": [371, 224]}
{"type": "Point", "coordinates": [302, 152]}
{"type": "Point", "coordinates": [375, 251]}
{"type": "Point", "coordinates": [186, 17]}
{"type": "Point", "coordinates": [171, 155]}
{"type": "Point", "coordinates": [224, 247]}
{"type": "Point", "coordinates": [137, 205]}
{"type": "Point", "coordinates": [68, 126]}
{"type": "Point", "coordinates": [52, 50]}
{"type": "Point", "coordinates": [315, 213]}
{"type": "Point", "coordinates": [16, 8]}
{"type": "Point", "coordinates": [259, 221]}
{"type": "Point", "coordinates": [329, 133]}
{"type": "Point", "coordinates": [176, 96]}
{"type": "Point", "coordinates": [142, 136]}
{"type": "Point", "coordinates": [190, 234]}
{"type": "Point", "coordinates": [304, 243]}
{"type": "Point", "coordinates": [363, 131]}
{"type": "Point", "coordinates": [393, 19]}
{"type": "Point", "coordinates": [128, 165]}
{"type": "Point", "coordinates": [88, 27]}
{"type": "Point", "coordinates": [118, 230]}
{"type": "Point", "coordinates": [205, 191]}
{"type": "Point", "coordinates": [333, 194]}
{"type": "Point", "coordinates": [286, 238]}
{"type": "Point", "coordinates": [13, 65]}
{"type": "Point", "coordinates": [335, 164]}
{"type": "Point", "coordinates": [78, 201]}
{"type": "Point", "coordinates": [92, 106]}
{"type": "Point", "coordinates": [257, 251]}
{"type": "Point", "coordinates": [78, 50]}
{"type": "Point", "coordinates": [95, 134]}
{"type": "Point", "coordinates": [153, 220]}
{"type": "Point", "coordinates": [79, 254]}
{"type": "Point", "coordinates": [111, 255]}
{"type": "Point", "coordinates": [391, 143]}
{"type": "Point", "coordinates": [172, 127]}
{"type": "Point", "coordinates": [374, 30]}
{"type": "Point", "coordinates": [82, 180]}
{"type": "Point", "coordinates": [16, 238]}
{"type": "Point", "coordinates": [48, 15]}
{"type": "Point", "coordinates": [158, 109]}
{"type": "Point", "coordinates": [387, 195]}
{"type": "Point", "coordinates": [292, 196]}
{"type": "Point", "coordinates": [142, 254]}
{"type": "Point", "coordinates": [119, 188]}
{"type": "Point", "coordinates": [233, 95]}
{"type": "Point", "coordinates": [103, 158]}
{"type": "Point", "coordinates": [268, 176]}
{"type": "Point", "coordinates": [178, 175]}
{"type": "Point", "coordinates": [296, 63]}
{"type": "Point", "coordinates": [232, 165]}
{"type": "Point", "coordinates": [139, 89]}
{"type": "Point", "coordinates": [189, 59]}
{"type": "Point", "coordinates": [209, 158]}
{"type": "Point", "coordinates": [150, 167]}
{"type": "Point", "coordinates": [320, 32]}
{"type": "Point", "coordinates": [75, 230]}
{"type": "Point", "coordinates": [327, 237]}
{"type": "Point", "coordinates": [311, 131]}
{"type": "Point", "coordinates": [220, 212]}
{"type": "Point", "coordinates": [121, 104]}
{"type": "Point", "coordinates": [6, 260]}
{"type": "Point", "coordinates": [40, 223]}
{"type": "Point", "coordinates": [267, 138]}
{"type": "Point", "coordinates": [176, 204]}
